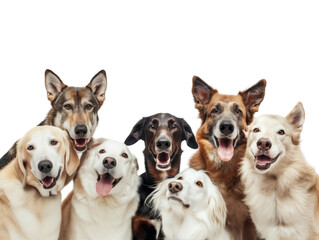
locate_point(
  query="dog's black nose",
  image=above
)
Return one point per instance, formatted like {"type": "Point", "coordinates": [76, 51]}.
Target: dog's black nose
{"type": "Point", "coordinates": [80, 130]}
{"type": "Point", "coordinates": [109, 162]}
{"type": "Point", "coordinates": [163, 144]}
{"type": "Point", "coordinates": [264, 144]}
{"type": "Point", "coordinates": [175, 187]}
{"type": "Point", "coordinates": [226, 127]}
{"type": "Point", "coordinates": [45, 166]}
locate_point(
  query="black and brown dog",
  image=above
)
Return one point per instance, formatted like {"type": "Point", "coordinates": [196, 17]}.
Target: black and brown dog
{"type": "Point", "coordinates": [163, 134]}
{"type": "Point", "coordinates": [74, 109]}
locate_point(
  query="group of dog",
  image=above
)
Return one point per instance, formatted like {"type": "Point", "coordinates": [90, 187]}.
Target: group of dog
{"type": "Point", "coordinates": [248, 179]}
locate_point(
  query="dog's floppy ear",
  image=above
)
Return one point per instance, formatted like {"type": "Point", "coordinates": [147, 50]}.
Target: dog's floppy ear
{"type": "Point", "coordinates": [22, 173]}
{"type": "Point", "coordinates": [98, 86]}
{"type": "Point", "coordinates": [72, 160]}
{"type": "Point", "coordinates": [137, 132]}
{"type": "Point", "coordinates": [188, 134]}
{"type": "Point", "coordinates": [202, 94]}
{"type": "Point", "coordinates": [252, 98]}
{"type": "Point", "coordinates": [296, 119]}
{"type": "Point", "coordinates": [135, 163]}
{"type": "Point", "coordinates": [216, 207]}
{"type": "Point", "coordinates": [53, 85]}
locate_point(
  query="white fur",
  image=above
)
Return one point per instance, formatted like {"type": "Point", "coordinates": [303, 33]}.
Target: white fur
{"type": "Point", "coordinates": [204, 218]}
{"type": "Point", "coordinates": [109, 217]}
{"type": "Point", "coordinates": [282, 199]}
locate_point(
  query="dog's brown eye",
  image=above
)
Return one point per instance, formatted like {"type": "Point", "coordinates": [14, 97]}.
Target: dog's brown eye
{"type": "Point", "coordinates": [281, 132]}
{"type": "Point", "coordinates": [151, 127]}
{"type": "Point", "coordinates": [54, 142]}
{"type": "Point", "coordinates": [238, 111]}
{"type": "Point", "coordinates": [215, 110]}
{"type": "Point", "coordinates": [30, 147]}
{"type": "Point", "coordinates": [256, 130]}
{"type": "Point", "coordinates": [102, 151]}
{"type": "Point", "coordinates": [124, 155]}
{"type": "Point", "coordinates": [180, 178]}
{"type": "Point", "coordinates": [89, 106]}
{"type": "Point", "coordinates": [67, 106]}
{"type": "Point", "coordinates": [199, 184]}
{"type": "Point", "coordinates": [174, 127]}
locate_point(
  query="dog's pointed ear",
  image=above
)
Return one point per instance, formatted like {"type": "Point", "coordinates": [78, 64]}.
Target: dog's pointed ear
{"type": "Point", "coordinates": [137, 132]}
{"type": "Point", "coordinates": [98, 86]}
{"type": "Point", "coordinates": [252, 98]}
{"type": "Point", "coordinates": [53, 85]}
{"type": "Point", "coordinates": [21, 171]}
{"type": "Point", "coordinates": [296, 119]}
{"type": "Point", "coordinates": [188, 134]}
{"type": "Point", "coordinates": [72, 160]}
{"type": "Point", "coordinates": [202, 94]}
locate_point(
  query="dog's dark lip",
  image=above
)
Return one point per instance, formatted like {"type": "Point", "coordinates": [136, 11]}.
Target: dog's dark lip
{"type": "Point", "coordinates": [115, 182]}
{"type": "Point", "coordinates": [54, 180]}
{"type": "Point", "coordinates": [166, 164]}
{"type": "Point", "coordinates": [178, 200]}
{"type": "Point", "coordinates": [80, 144]}
{"type": "Point", "coordinates": [217, 141]}
{"type": "Point", "coordinates": [263, 157]}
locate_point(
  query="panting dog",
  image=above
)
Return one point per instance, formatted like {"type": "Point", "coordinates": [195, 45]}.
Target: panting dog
{"type": "Point", "coordinates": [30, 185]}
{"type": "Point", "coordinates": [74, 109]}
{"type": "Point", "coordinates": [191, 207]}
{"type": "Point", "coordinates": [105, 198]}
{"type": "Point", "coordinates": [222, 144]}
{"type": "Point", "coordinates": [281, 187]}
{"type": "Point", "coordinates": [162, 134]}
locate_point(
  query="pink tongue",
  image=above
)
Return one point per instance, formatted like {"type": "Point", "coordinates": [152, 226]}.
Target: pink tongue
{"type": "Point", "coordinates": [47, 181]}
{"type": "Point", "coordinates": [225, 150]}
{"type": "Point", "coordinates": [104, 186]}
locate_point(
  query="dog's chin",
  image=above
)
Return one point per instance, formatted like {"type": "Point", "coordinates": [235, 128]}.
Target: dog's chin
{"type": "Point", "coordinates": [264, 162]}
{"type": "Point", "coordinates": [177, 200]}
{"type": "Point", "coordinates": [225, 148]}
{"type": "Point", "coordinates": [80, 144]}
{"type": "Point", "coordinates": [163, 161]}
{"type": "Point", "coordinates": [49, 182]}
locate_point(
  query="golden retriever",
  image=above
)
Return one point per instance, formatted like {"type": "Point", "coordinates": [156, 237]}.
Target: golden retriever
{"type": "Point", "coordinates": [30, 199]}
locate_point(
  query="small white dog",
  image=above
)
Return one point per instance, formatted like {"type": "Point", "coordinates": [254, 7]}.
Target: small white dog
{"type": "Point", "coordinates": [105, 197]}
{"type": "Point", "coordinates": [191, 207]}
{"type": "Point", "coordinates": [281, 188]}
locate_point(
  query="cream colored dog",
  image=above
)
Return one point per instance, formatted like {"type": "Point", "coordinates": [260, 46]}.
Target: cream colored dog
{"type": "Point", "coordinates": [191, 207]}
{"type": "Point", "coordinates": [30, 199]}
{"type": "Point", "coordinates": [281, 187]}
{"type": "Point", "coordinates": [104, 198]}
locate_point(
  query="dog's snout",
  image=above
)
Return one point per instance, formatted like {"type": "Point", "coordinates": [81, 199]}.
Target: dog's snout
{"type": "Point", "coordinates": [45, 166]}
{"type": "Point", "coordinates": [81, 130]}
{"type": "Point", "coordinates": [264, 144]}
{"type": "Point", "coordinates": [109, 162]}
{"type": "Point", "coordinates": [163, 144]}
{"type": "Point", "coordinates": [226, 128]}
{"type": "Point", "coordinates": [175, 187]}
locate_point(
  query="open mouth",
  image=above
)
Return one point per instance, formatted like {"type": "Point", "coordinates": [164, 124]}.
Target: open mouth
{"type": "Point", "coordinates": [163, 161]}
{"type": "Point", "coordinates": [178, 200]}
{"type": "Point", "coordinates": [49, 182]}
{"type": "Point", "coordinates": [105, 183]}
{"type": "Point", "coordinates": [225, 148]}
{"type": "Point", "coordinates": [80, 144]}
{"type": "Point", "coordinates": [264, 162]}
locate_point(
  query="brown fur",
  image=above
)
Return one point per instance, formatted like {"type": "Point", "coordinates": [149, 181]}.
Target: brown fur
{"type": "Point", "coordinates": [225, 174]}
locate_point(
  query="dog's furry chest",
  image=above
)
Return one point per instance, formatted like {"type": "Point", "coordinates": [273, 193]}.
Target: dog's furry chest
{"type": "Point", "coordinates": [32, 216]}
{"type": "Point", "coordinates": [99, 220]}
{"type": "Point", "coordinates": [279, 210]}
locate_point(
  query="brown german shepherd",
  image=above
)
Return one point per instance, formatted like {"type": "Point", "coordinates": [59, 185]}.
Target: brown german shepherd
{"type": "Point", "coordinates": [74, 109]}
{"type": "Point", "coordinates": [222, 145]}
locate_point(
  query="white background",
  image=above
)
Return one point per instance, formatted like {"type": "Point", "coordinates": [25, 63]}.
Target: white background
{"type": "Point", "coordinates": [150, 51]}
